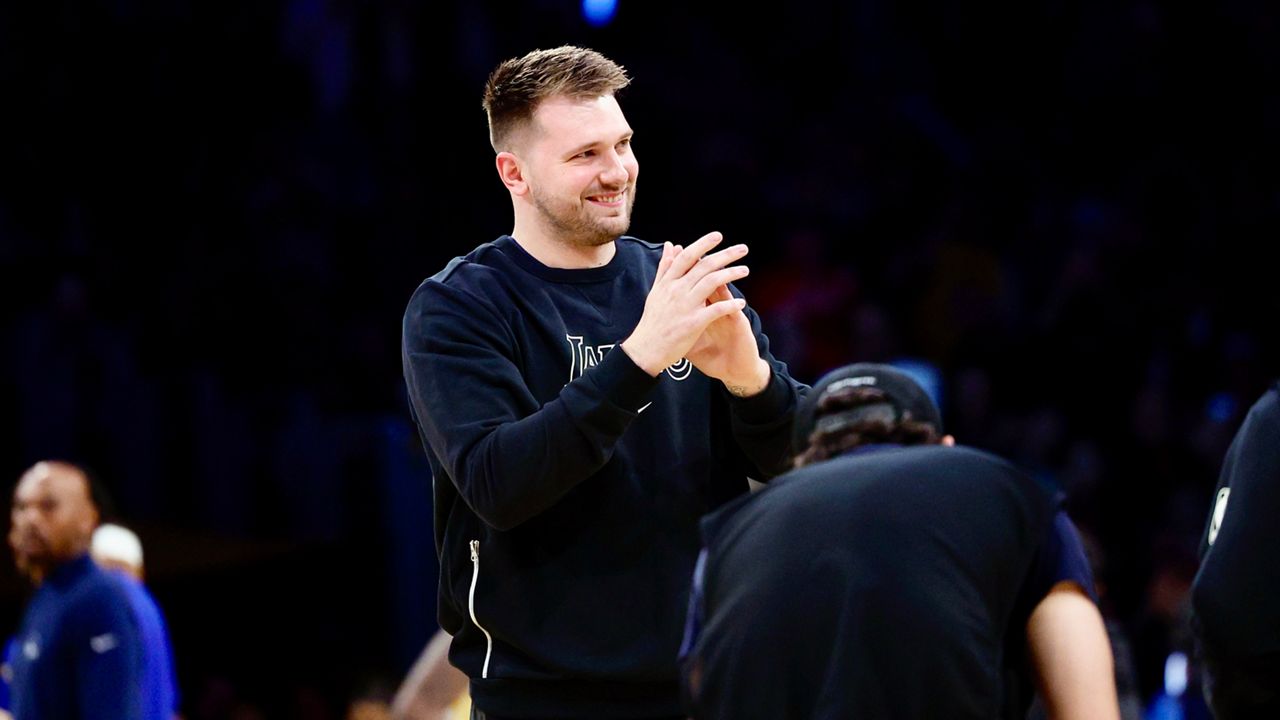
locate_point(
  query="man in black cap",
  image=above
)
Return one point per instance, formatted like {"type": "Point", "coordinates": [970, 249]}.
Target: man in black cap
{"type": "Point", "coordinates": [892, 575]}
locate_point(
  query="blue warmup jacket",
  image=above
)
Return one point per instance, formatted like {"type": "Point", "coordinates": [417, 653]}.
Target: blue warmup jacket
{"type": "Point", "coordinates": [77, 654]}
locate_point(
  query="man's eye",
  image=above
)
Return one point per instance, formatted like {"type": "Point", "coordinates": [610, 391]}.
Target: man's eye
{"type": "Point", "coordinates": [586, 154]}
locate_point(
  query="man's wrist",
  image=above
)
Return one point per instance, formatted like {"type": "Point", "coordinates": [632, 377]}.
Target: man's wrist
{"type": "Point", "coordinates": [638, 357]}
{"type": "Point", "coordinates": [754, 386]}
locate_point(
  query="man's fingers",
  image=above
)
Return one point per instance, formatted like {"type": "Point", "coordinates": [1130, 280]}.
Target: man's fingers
{"type": "Point", "coordinates": [664, 263]}
{"type": "Point", "coordinates": [716, 261]}
{"type": "Point", "coordinates": [669, 254]}
{"type": "Point", "coordinates": [689, 256]}
{"type": "Point", "coordinates": [720, 293]}
{"type": "Point", "coordinates": [717, 310]}
{"type": "Point", "coordinates": [707, 286]}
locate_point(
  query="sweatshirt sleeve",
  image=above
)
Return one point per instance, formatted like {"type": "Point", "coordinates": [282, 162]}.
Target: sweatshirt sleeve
{"type": "Point", "coordinates": [509, 457]}
{"type": "Point", "coordinates": [762, 423]}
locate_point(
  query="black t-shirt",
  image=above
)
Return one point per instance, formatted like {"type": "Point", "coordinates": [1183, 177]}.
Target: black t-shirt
{"type": "Point", "coordinates": [1236, 594]}
{"type": "Point", "coordinates": [895, 582]}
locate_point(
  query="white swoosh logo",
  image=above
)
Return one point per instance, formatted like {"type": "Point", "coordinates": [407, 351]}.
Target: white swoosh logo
{"type": "Point", "coordinates": [103, 642]}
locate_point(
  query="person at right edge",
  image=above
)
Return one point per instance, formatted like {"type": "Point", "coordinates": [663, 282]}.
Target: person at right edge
{"type": "Point", "coordinates": [584, 397]}
{"type": "Point", "coordinates": [1235, 597]}
{"type": "Point", "coordinates": [893, 575]}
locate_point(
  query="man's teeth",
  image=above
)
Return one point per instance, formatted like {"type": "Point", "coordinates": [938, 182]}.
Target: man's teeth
{"type": "Point", "coordinates": [609, 199]}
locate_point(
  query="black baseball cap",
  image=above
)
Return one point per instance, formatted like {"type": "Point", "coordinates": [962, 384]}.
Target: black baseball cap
{"type": "Point", "coordinates": [902, 392]}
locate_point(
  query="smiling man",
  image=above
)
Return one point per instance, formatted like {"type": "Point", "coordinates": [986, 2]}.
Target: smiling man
{"type": "Point", "coordinates": [77, 651]}
{"type": "Point", "coordinates": [583, 397]}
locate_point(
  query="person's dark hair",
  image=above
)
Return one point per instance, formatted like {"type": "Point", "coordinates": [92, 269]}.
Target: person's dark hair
{"type": "Point", "coordinates": [862, 415]}
{"type": "Point", "coordinates": [518, 86]}
{"type": "Point", "coordinates": [100, 496]}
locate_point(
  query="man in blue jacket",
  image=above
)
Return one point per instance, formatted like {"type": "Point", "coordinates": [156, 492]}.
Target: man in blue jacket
{"type": "Point", "coordinates": [77, 653]}
{"type": "Point", "coordinates": [583, 397]}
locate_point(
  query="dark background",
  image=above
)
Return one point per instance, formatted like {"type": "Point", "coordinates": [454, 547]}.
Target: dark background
{"type": "Point", "coordinates": [213, 214]}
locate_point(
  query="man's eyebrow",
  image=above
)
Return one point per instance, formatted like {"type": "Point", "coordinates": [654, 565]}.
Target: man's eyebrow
{"type": "Point", "coordinates": [581, 148]}
{"type": "Point", "coordinates": [593, 143]}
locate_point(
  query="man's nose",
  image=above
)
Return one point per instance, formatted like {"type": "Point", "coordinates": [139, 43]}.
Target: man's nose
{"type": "Point", "coordinates": [615, 173]}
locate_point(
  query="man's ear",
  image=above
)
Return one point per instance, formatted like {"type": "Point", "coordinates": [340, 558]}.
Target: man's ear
{"type": "Point", "coordinates": [511, 171]}
{"type": "Point", "coordinates": [89, 521]}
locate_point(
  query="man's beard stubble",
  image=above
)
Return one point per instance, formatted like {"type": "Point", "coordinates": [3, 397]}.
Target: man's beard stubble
{"type": "Point", "coordinates": [577, 228]}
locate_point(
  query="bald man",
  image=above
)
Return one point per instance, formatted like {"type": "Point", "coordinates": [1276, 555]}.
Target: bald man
{"type": "Point", "coordinates": [77, 652]}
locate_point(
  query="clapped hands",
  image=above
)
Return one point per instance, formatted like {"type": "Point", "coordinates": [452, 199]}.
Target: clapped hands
{"type": "Point", "coordinates": [690, 313]}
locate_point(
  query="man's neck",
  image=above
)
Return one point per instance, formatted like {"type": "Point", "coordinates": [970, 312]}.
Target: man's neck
{"type": "Point", "coordinates": [554, 252]}
{"type": "Point", "coordinates": [38, 575]}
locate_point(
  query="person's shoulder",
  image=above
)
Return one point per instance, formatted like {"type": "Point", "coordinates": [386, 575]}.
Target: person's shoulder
{"type": "Point", "coordinates": [97, 586]}
{"type": "Point", "coordinates": [97, 601]}
{"type": "Point", "coordinates": [635, 243]}
{"type": "Point", "coordinates": [1254, 438]}
{"type": "Point", "coordinates": [1267, 407]}
{"type": "Point", "coordinates": [978, 461]}
{"type": "Point", "coordinates": [895, 455]}
{"type": "Point", "coordinates": [960, 454]}
{"type": "Point", "coordinates": [635, 255]}
{"type": "Point", "coordinates": [134, 589]}
{"type": "Point", "coordinates": [946, 461]}
{"type": "Point", "coordinates": [478, 265]}
{"type": "Point", "coordinates": [146, 610]}
{"type": "Point", "coordinates": [713, 523]}
{"type": "Point", "coordinates": [468, 278]}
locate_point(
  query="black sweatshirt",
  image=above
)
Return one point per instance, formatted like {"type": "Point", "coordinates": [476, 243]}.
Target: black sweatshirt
{"type": "Point", "coordinates": [568, 482]}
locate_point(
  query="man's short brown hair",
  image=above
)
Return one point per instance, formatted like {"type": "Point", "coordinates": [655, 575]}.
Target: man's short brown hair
{"type": "Point", "coordinates": [518, 86]}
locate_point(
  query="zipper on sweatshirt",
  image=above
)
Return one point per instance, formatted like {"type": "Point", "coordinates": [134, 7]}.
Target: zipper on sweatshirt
{"type": "Point", "coordinates": [471, 605]}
